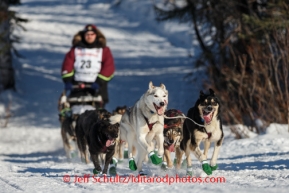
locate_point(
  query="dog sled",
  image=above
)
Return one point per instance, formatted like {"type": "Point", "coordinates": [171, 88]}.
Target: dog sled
{"type": "Point", "coordinates": [81, 98]}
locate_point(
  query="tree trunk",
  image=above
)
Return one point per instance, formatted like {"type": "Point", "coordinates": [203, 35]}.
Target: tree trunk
{"type": "Point", "coordinates": [7, 80]}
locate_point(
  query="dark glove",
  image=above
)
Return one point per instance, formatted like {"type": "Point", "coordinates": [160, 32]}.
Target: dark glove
{"type": "Point", "coordinates": [95, 86]}
{"type": "Point", "coordinates": [68, 86]}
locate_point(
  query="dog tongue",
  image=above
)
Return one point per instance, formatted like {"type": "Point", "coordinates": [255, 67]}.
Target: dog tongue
{"type": "Point", "coordinates": [207, 118]}
{"type": "Point", "coordinates": [172, 148]}
{"type": "Point", "coordinates": [161, 111]}
{"type": "Point", "coordinates": [109, 143]}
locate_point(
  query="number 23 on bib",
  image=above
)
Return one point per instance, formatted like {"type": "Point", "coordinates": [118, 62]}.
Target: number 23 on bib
{"type": "Point", "coordinates": [87, 64]}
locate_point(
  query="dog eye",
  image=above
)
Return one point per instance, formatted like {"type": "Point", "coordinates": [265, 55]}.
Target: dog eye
{"type": "Point", "coordinates": [155, 95]}
{"type": "Point", "coordinates": [165, 96]}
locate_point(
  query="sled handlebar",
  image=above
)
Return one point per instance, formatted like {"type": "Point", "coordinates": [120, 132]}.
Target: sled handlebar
{"type": "Point", "coordinates": [82, 86]}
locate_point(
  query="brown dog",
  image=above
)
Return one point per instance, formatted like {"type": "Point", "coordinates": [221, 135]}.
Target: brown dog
{"type": "Point", "coordinates": [173, 130]}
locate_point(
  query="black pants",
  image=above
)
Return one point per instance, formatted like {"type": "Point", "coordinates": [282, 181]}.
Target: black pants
{"type": "Point", "coordinates": [103, 90]}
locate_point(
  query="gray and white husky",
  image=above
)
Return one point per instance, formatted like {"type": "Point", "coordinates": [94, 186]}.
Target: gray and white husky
{"type": "Point", "coordinates": [143, 123]}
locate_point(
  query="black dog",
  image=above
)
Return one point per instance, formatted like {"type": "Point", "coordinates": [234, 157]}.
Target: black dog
{"type": "Point", "coordinates": [204, 124]}
{"type": "Point", "coordinates": [98, 130]}
{"type": "Point", "coordinates": [83, 126]}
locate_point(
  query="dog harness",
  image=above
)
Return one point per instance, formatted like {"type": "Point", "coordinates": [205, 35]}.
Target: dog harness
{"type": "Point", "coordinates": [150, 125]}
{"type": "Point", "coordinates": [166, 126]}
{"type": "Point", "coordinates": [173, 113]}
{"type": "Point", "coordinates": [209, 134]}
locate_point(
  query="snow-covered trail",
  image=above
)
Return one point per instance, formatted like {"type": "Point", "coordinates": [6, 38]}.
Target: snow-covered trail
{"type": "Point", "coordinates": [32, 158]}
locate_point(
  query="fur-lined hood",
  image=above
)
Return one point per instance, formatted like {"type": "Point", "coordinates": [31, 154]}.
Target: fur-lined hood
{"type": "Point", "coordinates": [78, 39]}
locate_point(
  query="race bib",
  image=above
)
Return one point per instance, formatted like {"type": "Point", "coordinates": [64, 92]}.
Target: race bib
{"type": "Point", "coordinates": [87, 64]}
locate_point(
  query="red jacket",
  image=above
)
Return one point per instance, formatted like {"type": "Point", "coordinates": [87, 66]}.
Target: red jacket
{"type": "Point", "coordinates": [107, 65]}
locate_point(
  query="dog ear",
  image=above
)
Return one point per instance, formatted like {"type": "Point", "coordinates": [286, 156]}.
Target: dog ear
{"type": "Point", "coordinates": [212, 92]}
{"type": "Point", "coordinates": [163, 86]}
{"type": "Point", "coordinates": [201, 94]}
{"type": "Point", "coordinates": [151, 86]}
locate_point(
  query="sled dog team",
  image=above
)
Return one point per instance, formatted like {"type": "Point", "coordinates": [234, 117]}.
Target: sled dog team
{"type": "Point", "coordinates": [145, 127]}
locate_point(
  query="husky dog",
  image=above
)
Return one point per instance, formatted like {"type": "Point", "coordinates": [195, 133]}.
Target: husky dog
{"type": "Point", "coordinates": [204, 124]}
{"type": "Point", "coordinates": [173, 134]}
{"type": "Point", "coordinates": [143, 123]}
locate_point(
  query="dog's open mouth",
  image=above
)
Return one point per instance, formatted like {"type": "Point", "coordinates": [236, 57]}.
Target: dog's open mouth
{"type": "Point", "coordinates": [207, 116]}
{"type": "Point", "coordinates": [160, 109]}
{"type": "Point", "coordinates": [170, 147]}
{"type": "Point", "coordinates": [110, 141]}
